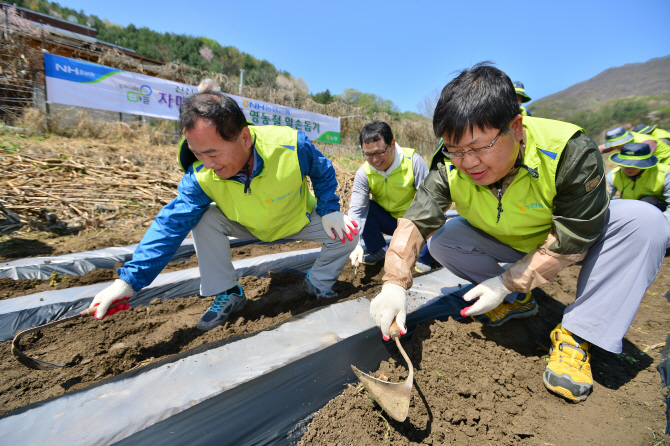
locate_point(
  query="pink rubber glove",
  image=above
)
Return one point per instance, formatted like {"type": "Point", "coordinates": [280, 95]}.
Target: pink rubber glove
{"type": "Point", "coordinates": [339, 225]}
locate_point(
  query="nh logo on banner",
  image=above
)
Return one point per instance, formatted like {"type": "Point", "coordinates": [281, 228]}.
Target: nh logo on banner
{"type": "Point", "coordinates": [68, 69]}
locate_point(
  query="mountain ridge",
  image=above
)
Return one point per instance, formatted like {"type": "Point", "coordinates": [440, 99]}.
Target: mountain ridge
{"type": "Point", "coordinates": [649, 78]}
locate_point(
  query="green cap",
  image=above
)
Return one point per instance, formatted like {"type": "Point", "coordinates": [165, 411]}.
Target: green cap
{"type": "Point", "coordinates": [518, 86]}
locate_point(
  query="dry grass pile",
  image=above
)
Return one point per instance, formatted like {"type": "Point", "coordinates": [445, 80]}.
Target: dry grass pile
{"type": "Point", "coordinates": [83, 193]}
{"type": "Point", "coordinates": [66, 185]}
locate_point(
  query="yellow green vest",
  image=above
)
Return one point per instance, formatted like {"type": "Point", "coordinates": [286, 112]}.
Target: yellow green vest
{"type": "Point", "coordinates": [396, 192]}
{"type": "Point", "coordinates": [528, 202]}
{"type": "Point", "coordinates": [650, 182]}
{"type": "Point", "coordinates": [279, 203]}
{"type": "Point", "coordinates": [662, 151]}
{"type": "Point", "coordinates": [523, 110]}
{"type": "Point", "coordinates": [660, 133]}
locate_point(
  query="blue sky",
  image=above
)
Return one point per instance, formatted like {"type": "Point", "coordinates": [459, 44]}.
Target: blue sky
{"type": "Point", "coordinates": [403, 51]}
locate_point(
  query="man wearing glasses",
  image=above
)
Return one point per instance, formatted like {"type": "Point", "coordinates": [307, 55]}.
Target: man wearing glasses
{"type": "Point", "coordinates": [392, 175]}
{"type": "Point", "coordinates": [530, 192]}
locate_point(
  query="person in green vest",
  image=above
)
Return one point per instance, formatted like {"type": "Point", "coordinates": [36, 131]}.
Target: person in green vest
{"type": "Point", "coordinates": [654, 131]}
{"type": "Point", "coordinates": [391, 174]}
{"type": "Point", "coordinates": [530, 192]}
{"type": "Point", "coordinates": [522, 97]}
{"type": "Point", "coordinates": [618, 136]}
{"type": "Point", "coordinates": [639, 176]}
{"type": "Point", "coordinates": [239, 181]}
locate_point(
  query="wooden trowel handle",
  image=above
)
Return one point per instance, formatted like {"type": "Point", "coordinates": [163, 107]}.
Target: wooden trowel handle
{"type": "Point", "coordinates": [394, 330]}
{"type": "Point", "coordinates": [91, 311]}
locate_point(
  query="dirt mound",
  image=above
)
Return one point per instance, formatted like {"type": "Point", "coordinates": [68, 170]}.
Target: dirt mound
{"type": "Point", "coordinates": [481, 385]}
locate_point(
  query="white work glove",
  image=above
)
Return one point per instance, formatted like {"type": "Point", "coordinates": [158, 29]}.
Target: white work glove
{"type": "Point", "coordinates": [491, 293]}
{"type": "Point", "coordinates": [108, 297]}
{"type": "Point", "coordinates": [337, 225]}
{"type": "Point", "coordinates": [356, 257]}
{"type": "Point", "coordinates": [390, 304]}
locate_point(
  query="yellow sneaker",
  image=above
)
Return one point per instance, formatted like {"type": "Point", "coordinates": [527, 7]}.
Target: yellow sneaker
{"type": "Point", "coordinates": [519, 309]}
{"type": "Point", "coordinates": [569, 370]}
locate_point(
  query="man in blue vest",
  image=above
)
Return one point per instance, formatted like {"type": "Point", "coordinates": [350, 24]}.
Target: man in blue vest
{"type": "Point", "coordinates": [530, 192]}
{"type": "Point", "coordinates": [392, 174]}
{"type": "Point", "coordinates": [240, 181]}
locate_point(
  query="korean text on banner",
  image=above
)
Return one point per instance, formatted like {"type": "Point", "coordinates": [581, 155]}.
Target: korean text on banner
{"type": "Point", "coordinates": [85, 84]}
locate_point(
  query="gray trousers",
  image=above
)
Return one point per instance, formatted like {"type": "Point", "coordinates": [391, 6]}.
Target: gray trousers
{"type": "Point", "coordinates": [615, 274]}
{"type": "Point", "coordinates": [213, 249]}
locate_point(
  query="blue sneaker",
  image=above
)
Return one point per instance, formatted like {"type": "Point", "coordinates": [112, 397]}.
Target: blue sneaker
{"type": "Point", "coordinates": [224, 304]}
{"type": "Point", "coordinates": [309, 288]}
{"type": "Point", "coordinates": [374, 257]}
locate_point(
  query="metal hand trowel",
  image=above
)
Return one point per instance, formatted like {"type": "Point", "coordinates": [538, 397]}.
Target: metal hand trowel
{"type": "Point", "coordinates": [392, 397]}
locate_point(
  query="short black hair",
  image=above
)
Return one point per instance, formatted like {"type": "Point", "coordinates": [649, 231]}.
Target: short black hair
{"type": "Point", "coordinates": [374, 131]}
{"type": "Point", "coordinates": [216, 107]}
{"type": "Point", "coordinates": [482, 96]}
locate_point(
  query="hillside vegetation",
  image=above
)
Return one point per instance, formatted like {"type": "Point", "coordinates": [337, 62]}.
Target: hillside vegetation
{"type": "Point", "coordinates": [628, 95]}
{"type": "Point", "coordinates": [197, 52]}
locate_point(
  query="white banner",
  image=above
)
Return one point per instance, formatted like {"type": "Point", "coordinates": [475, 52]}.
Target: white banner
{"type": "Point", "coordinates": [85, 84]}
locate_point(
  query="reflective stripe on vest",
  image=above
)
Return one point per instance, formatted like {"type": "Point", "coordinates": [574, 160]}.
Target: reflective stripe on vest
{"type": "Point", "coordinates": [650, 182]}
{"type": "Point", "coordinates": [396, 192]}
{"type": "Point", "coordinates": [528, 202]}
{"type": "Point", "coordinates": [280, 202]}
{"type": "Point", "coordinates": [662, 151]}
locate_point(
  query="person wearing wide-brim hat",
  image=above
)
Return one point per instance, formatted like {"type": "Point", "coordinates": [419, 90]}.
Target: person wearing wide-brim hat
{"type": "Point", "coordinates": [617, 137]}
{"type": "Point", "coordinates": [639, 176]}
{"type": "Point", "coordinates": [522, 97]}
{"type": "Point", "coordinates": [654, 131]}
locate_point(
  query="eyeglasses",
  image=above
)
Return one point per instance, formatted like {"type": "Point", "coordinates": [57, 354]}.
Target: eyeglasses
{"type": "Point", "coordinates": [376, 154]}
{"type": "Point", "coordinates": [472, 152]}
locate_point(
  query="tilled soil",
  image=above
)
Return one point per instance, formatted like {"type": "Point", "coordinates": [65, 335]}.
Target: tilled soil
{"type": "Point", "coordinates": [93, 350]}
{"type": "Point", "coordinates": [473, 384]}
{"type": "Point", "coordinates": [478, 385]}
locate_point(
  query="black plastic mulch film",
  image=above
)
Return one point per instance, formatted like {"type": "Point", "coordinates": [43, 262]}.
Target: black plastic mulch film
{"type": "Point", "coordinates": [275, 409]}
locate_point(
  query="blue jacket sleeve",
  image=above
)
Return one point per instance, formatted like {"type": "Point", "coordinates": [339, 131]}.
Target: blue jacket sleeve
{"type": "Point", "coordinates": [320, 170]}
{"type": "Point", "coordinates": [168, 230]}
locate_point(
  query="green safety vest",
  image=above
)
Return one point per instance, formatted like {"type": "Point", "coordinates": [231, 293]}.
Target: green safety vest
{"type": "Point", "coordinates": [523, 110]}
{"type": "Point", "coordinates": [528, 202]}
{"type": "Point", "coordinates": [660, 133]}
{"type": "Point", "coordinates": [396, 192]}
{"type": "Point", "coordinates": [279, 202]}
{"type": "Point", "coordinates": [649, 183]}
{"type": "Point", "coordinates": [662, 151]}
